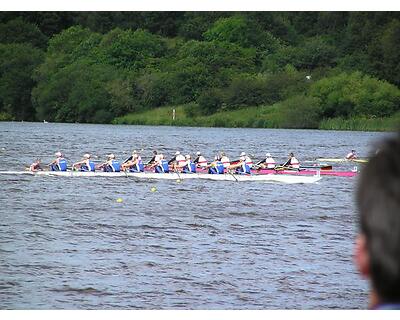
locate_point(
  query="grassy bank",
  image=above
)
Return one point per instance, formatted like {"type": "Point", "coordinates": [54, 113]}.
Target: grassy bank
{"type": "Point", "coordinates": [255, 117]}
{"type": "Point", "coordinates": [362, 124]}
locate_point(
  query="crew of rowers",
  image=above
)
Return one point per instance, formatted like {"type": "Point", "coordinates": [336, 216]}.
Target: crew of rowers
{"type": "Point", "coordinates": [179, 163]}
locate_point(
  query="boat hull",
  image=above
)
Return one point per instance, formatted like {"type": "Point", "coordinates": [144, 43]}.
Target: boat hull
{"type": "Point", "coordinates": [268, 177]}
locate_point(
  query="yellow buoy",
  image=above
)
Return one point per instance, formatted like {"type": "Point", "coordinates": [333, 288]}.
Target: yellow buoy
{"type": "Point", "coordinates": [119, 200]}
{"type": "Point", "coordinates": [178, 181]}
{"type": "Point", "coordinates": [153, 189]}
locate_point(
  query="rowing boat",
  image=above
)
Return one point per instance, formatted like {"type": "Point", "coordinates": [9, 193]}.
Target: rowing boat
{"type": "Point", "coordinates": [301, 172]}
{"type": "Point", "coordinates": [269, 177]}
{"type": "Point", "coordinates": [342, 160]}
{"type": "Point", "coordinates": [310, 172]}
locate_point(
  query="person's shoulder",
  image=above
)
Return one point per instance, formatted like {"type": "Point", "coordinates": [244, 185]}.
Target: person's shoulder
{"type": "Point", "coordinates": [387, 306]}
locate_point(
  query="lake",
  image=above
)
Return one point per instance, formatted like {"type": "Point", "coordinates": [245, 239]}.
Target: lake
{"type": "Point", "coordinates": [66, 243]}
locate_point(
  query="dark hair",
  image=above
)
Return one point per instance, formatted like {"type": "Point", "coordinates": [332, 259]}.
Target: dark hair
{"type": "Point", "coordinates": [378, 200]}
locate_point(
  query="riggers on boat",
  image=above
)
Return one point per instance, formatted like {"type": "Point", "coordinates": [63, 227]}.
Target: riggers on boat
{"type": "Point", "coordinates": [273, 178]}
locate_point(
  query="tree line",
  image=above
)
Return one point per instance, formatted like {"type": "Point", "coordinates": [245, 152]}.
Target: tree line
{"type": "Point", "coordinates": [93, 67]}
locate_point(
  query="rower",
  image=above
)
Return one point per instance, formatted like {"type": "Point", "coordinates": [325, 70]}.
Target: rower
{"type": "Point", "coordinates": [86, 164]}
{"type": "Point", "coordinates": [161, 165]}
{"type": "Point", "coordinates": [111, 165]}
{"type": "Point", "coordinates": [225, 160]}
{"type": "Point", "coordinates": [59, 164]}
{"type": "Point", "coordinates": [35, 166]}
{"type": "Point", "coordinates": [268, 162]}
{"type": "Point", "coordinates": [190, 167]}
{"type": "Point", "coordinates": [248, 161]}
{"type": "Point", "coordinates": [178, 161]}
{"type": "Point", "coordinates": [216, 167]}
{"type": "Point", "coordinates": [154, 158]}
{"type": "Point", "coordinates": [292, 162]}
{"type": "Point", "coordinates": [200, 161]}
{"type": "Point", "coordinates": [241, 167]}
{"type": "Point", "coordinates": [351, 155]}
{"type": "Point", "coordinates": [135, 164]}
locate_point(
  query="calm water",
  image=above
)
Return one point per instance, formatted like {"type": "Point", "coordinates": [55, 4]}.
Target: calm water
{"type": "Point", "coordinates": [65, 243]}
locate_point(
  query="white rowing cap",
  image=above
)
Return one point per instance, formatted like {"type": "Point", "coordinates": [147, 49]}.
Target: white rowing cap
{"type": "Point", "coordinates": [58, 154]}
{"type": "Point", "coordinates": [243, 154]}
{"type": "Point", "coordinates": [86, 156]}
{"type": "Point", "coordinates": [111, 156]}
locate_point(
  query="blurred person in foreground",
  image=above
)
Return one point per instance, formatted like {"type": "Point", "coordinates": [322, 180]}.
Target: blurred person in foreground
{"type": "Point", "coordinates": [377, 249]}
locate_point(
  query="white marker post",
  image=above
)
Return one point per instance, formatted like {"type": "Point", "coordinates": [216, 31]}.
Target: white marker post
{"type": "Point", "coordinates": [173, 114]}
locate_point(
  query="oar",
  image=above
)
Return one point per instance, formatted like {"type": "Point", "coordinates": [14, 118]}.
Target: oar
{"type": "Point", "coordinates": [229, 171]}
{"type": "Point", "coordinates": [177, 172]}
{"type": "Point", "coordinates": [127, 159]}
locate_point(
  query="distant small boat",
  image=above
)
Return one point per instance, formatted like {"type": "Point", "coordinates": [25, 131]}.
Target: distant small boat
{"type": "Point", "coordinates": [342, 160]}
{"type": "Point", "coordinates": [44, 121]}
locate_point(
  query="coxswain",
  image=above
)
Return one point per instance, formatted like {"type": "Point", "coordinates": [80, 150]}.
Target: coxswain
{"type": "Point", "coordinates": [351, 155]}
{"type": "Point", "coordinates": [161, 165]}
{"type": "Point", "coordinates": [35, 166]}
{"type": "Point", "coordinates": [241, 167]}
{"type": "Point", "coordinates": [59, 164]}
{"type": "Point", "coordinates": [225, 160]}
{"type": "Point", "coordinates": [111, 165]}
{"type": "Point", "coordinates": [200, 161]}
{"type": "Point", "coordinates": [190, 167]}
{"type": "Point", "coordinates": [268, 162]}
{"type": "Point", "coordinates": [216, 167]}
{"type": "Point", "coordinates": [292, 162]}
{"type": "Point", "coordinates": [86, 164]}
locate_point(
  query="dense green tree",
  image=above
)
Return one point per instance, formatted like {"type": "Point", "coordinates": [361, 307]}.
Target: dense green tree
{"type": "Point", "coordinates": [356, 94]}
{"type": "Point", "coordinates": [194, 24]}
{"type": "Point", "coordinates": [17, 62]}
{"type": "Point", "coordinates": [218, 56]}
{"type": "Point", "coordinates": [244, 32]}
{"type": "Point", "coordinates": [19, 31]}
{"type": "Point", "coordinates": [79, 92]}
{"type": "Point", "coordinates": [313, 53]}
{"type": "Point", "coordinates": [300, 112]}
{"type": "Point", "coordinates": [390, 43]}
{"type": "Point", "coordinates": [98, 65]}
{"type": "Point", "coordinates": [132, 50]}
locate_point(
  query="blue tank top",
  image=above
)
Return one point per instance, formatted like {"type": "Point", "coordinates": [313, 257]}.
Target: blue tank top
{"type": "Point", "coordinates": [190, 168]}
{"type": "Point", "coordinates": [92, 166]}
{"type": "Point", "coordinates": [164, 166]}
{"type": "Point", "coordinates": [220, 167]}
{"type": "Point", "coordinates": [115, 166]}
{"type": "Point", "coordinates": [140, 166]}
{"type": "Point", "coordinates": [62, 164]}
{"type": "Point", "coordinates": [244, 168]}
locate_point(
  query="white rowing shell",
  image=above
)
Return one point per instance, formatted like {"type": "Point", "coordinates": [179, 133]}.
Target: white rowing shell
{"type": "Point", "coordinates": [280, 178]}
